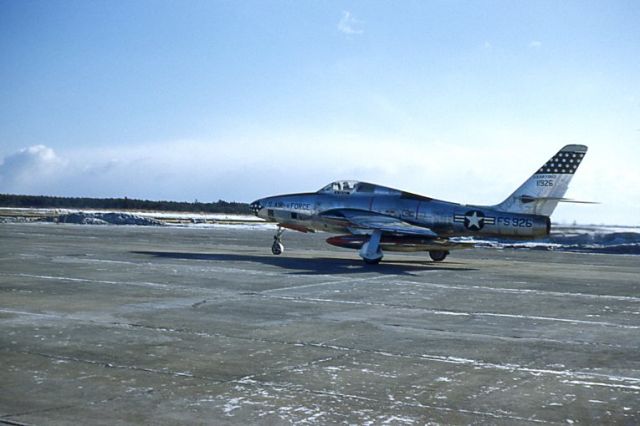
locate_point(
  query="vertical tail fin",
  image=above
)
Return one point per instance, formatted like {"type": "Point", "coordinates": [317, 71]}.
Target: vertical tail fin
{"type": "Point", "coordinates": [541, 193]}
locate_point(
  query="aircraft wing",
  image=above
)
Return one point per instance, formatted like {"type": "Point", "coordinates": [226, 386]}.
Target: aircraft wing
{"type": "Point", "coordinates": [363, 219]}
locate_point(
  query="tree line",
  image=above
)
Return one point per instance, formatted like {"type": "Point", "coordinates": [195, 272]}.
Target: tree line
{"type": "Point", "coordinates": [44, 201]}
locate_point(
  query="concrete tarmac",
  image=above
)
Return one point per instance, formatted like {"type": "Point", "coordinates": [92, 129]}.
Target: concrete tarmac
{"type": "Point", "coordinates": [166, 325]}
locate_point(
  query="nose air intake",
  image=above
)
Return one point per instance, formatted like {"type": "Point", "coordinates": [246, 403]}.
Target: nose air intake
{"type": "Point", "coordinates": [255, 207]}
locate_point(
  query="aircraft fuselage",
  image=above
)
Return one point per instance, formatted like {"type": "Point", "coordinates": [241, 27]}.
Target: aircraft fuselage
{"type": "Point", "coordinates": [374, 218]}
{"type": "Point", "coordinates": [310, 212]}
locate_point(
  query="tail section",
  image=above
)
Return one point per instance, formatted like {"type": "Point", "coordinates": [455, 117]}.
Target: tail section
{"type": "Point", "coordinates": [541, 193]}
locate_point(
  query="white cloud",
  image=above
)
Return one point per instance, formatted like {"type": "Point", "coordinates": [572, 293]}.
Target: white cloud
{"type": "Point", "coordinates": [535, 44]}
{"type": "Point", "coordinates": [349, 25]}
{"type": "Point", "coordinates": [30, 168]}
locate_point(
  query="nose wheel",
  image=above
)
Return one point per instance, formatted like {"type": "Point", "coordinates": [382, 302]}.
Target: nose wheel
{"type": "Point", "coordinates": [277, 248]}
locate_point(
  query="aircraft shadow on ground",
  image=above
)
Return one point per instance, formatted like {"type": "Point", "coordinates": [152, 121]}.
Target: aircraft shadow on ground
{"type": "Point", "coordinates": [317, 265]}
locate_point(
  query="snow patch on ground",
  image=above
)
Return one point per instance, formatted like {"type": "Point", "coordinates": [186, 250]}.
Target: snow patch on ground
{"type": "Point", "coordinates": [575, 238]}
{"type": "Point", "coordinates": [83, 218]}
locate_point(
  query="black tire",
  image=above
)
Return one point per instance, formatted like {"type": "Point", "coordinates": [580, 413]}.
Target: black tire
{"type": "Point", "coordinates": [438, 255]}
{"type": "Point", "coordinates": [277, 248]}
{"type": "Point", "coordinates": [372, 261]}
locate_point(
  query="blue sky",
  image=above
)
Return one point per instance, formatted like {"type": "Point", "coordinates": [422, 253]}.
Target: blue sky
{"type": "Point", "coordinates": [459, 100]}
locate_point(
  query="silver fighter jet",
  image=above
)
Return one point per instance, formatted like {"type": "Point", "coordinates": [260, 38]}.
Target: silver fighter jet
{"type": "Point", "coordinates": [373, 218]}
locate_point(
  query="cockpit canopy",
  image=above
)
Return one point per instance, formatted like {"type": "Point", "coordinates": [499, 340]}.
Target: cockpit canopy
{"type": "Point", "coordinates": [353, 187]}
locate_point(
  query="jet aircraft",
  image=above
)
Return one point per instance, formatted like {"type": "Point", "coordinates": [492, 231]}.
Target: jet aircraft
{"type": "Point", "coordinates": [373, 218]}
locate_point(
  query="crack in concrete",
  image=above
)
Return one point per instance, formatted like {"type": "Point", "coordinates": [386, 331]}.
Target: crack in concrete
{"type": "Point", "coordinates": [13, 423]}
{"type": "Point", "coordinates": [252, 380]}
{"type": "Point", "coordinates": [449, 312]}
{"type": "Point", "coordinates": [507, 338]}
{"type": "Point", "coordinates": [109, 364]}
{"type": "Point", "coordinates": [435, 358]}
{"type": "Point", "coordinates": [523, 291]}
{"type": "Point", "coordinates": [64, 407]}
{"type": "Point", "coordinates": [26, 413]}
{"type": "Point", "coordinates": [340, 396]}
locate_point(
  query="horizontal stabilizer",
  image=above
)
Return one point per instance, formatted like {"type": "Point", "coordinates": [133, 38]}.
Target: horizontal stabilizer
{"type": "Point", "coordinates": [528, 199]}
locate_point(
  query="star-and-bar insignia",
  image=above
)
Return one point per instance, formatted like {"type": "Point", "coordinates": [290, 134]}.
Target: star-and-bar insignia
{"type": "Point", "coordinates": [474, 220]}
{"type": "Point", "coordinates": [563, 163]}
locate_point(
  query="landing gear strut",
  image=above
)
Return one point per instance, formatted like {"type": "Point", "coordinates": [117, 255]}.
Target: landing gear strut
{"type": "Point", "coordinates": [438, 255]}
{"type": "Point", "coordinates": [370, 251]}
{"type": "Point", "coordinates": [277, 248]}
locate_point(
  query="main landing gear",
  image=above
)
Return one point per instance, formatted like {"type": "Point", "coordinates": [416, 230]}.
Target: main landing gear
{"type": "Point", "coordinates": [277, 248]}
{"type": "Point", "coordinates": [370, 251]}
{"type": "Point", "coordinates": [438, 255]}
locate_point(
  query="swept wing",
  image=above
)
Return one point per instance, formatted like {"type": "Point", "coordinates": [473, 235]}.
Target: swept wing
{"type": "Point", "coordinates": [397, 234]}
{"type": "Point", "coordinates": [359, 220]}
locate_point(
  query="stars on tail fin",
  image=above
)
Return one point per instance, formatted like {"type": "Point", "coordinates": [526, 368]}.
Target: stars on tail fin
{"type": "Point", "coordinates": [564, 162]}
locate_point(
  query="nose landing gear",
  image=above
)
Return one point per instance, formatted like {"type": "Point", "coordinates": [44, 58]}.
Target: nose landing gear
{"type": "Point", "coordinates": [277, 248]}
